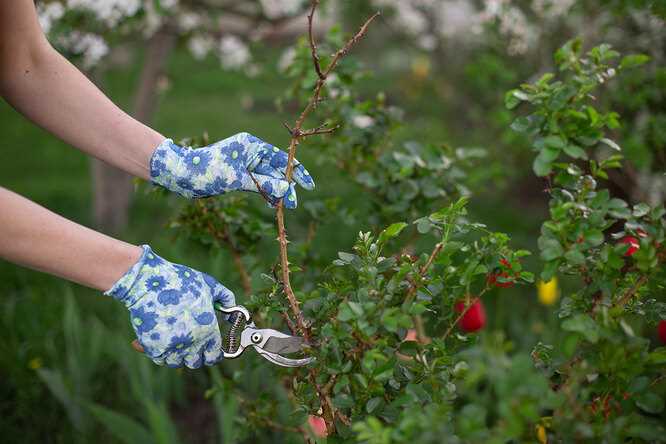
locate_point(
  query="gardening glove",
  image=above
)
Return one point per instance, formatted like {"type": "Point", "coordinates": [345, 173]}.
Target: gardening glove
{"type": "Point", "coordinates": [171, 310]}
{"type": "Point", "coordinates": [228, 165]}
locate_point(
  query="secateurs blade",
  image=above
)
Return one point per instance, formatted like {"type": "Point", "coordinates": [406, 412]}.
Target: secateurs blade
{"type": "Point", "coordinates": [269, 343]}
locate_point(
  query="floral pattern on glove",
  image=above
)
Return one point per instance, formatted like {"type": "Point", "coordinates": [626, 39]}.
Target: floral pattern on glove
{"type": "Point", "coordinates": [171, 311]}
{"type": "Point", "coordinates": [240, 162]}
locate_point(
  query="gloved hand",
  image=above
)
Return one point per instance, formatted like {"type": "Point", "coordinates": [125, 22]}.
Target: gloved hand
{"type": "Point", "coordinates": [227, 166]}
{"type": "Point", "coordinates": [171, 310]}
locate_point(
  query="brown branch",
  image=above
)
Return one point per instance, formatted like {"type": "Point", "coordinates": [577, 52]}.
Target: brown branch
{"type": "Point", "coordinates": [320, 130]}
{"type": "Point", "coordinates": [460, 316]}
{"type": "Point", "coordinates": [297, 135]}
{"type": "Point", "coordinates": [290, 323]}
{"type": "Point", "coordinates": [433, 255]}
{"type": "Point", "coordinates": [632, 291]}
{"type": "Point", "coordinates": [313, 45]}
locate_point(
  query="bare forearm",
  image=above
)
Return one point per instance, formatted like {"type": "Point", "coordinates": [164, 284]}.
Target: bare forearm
{"type": "Point", "coordinates": [33, 236]}
{"type": "Point", "coordinates": [51, 92]}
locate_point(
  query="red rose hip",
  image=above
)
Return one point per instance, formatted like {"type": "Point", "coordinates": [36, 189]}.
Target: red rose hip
{"type": "Point", "coordinates": [661, 329]}
{"type": "Point", "coordinates": [633, 243]}
{"type": "Point", "coordinates": [474, 318]}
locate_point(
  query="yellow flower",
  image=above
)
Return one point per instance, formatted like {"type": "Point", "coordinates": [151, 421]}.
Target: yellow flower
{"type": "Point", "coordinates": [548, 291]}
{"type": "Point", "coordinates": [421, 67]}
{"type": "Point", "coordinates": [541, 434]}
{"type": "Point", "coordinates": [35, 363]}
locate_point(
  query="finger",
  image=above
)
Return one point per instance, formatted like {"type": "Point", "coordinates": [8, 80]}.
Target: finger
{"type": "Point", "coordinates": [195, 358]}
{"type": "Point", "coordinates": [213, 351]}
{"type": "Point", "coordinates": [290, 200]}
{"type": "Point", "coordinates": [174, 360]}
{"type": "Point", "coordinates": [303, 177]}
{"type": "Point", "coordinates": [224, 296]}
{"type": "Point", "coordinates": [137, 346]}
{"type": "Point", "coordinates": [274, 164]}
{"type": "Point", "coordinates": [271, 187]}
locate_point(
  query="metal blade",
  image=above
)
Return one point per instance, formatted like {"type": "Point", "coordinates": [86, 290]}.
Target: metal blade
{"type": "Point", "coordinates": [289, 344]}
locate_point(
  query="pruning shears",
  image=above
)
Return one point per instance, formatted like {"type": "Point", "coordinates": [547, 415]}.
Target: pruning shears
{"type": "Point", "coordinates": [269, 343]}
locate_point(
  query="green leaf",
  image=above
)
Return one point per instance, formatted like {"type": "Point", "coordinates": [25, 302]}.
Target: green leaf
{"type": "Point", "coordinates": [347, 257]}
{"type": "Point", "coordinates": [658, 356]}
{"type": "Point", "coordinates": [423, 225]}
{"type": "Point", "coordinates": [555, 142]}
{"type": "Point", "coordinates": [650, 403]}
{"type": "Point", "coordinates": [551, 249]}
{"type": "Point", "coordinates": [574, 257]}
{"type": "Point", "coordinates": [343, 401]}
{"type": "Point", "coordinates": [345, 313]}
{"type": "Point", "coordinates": [593, 237]}
{"type": "Point", "coordinates": [122, 427]}
{"type": "Point", "coordinates": [610, 143]}
{"type": "Point", "coordinates": [372, 404]}
{"type": "Point", "coordinates": [584, 325]}
{"type": "Point", "coordinates": [633, 60]}
{"type": "Point", "coordinates": [541, 166]}
{"type": "Point", "coordinates": [391, 232]}
{"type": "Point", "coordinates": [575, 151]}
{"type": "Point", "coordinates": [514, 97]}
{"type": "Point", "coordinates": [641, 209]}
{"type": "Point", "coordinates": [521, 124]}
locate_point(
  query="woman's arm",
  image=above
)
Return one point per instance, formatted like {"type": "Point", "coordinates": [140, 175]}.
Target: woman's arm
{"type": "Point", "coordinates": [37, 238]}
{"type": "Point", "coordinates": [50, 91]}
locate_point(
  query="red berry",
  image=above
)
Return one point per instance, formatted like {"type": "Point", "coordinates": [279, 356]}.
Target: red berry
{"type": "Point", "coordinates": [641, 232]}
{"type": "Point", "coordinates": [318, 426]}
{"type": "Point", "coordinates": [493, 277]}
{"type": "Point", "coordinates": [662, 331]}
{"type": "Point", "coordinates": [633, 243]}
{"type": "Point", "coordinates": [492, 280]}
{"type": "Point", "coordinates": [474, 318]}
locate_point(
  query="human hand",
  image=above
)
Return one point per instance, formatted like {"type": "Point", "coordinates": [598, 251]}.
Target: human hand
{"type": "Point", "coordinates": [240, 162]}
{"type": "Point", "coordinates": [171, 311]}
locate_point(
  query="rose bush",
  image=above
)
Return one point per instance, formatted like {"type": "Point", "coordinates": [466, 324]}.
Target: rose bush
{"type": "Point", "coordinates": [393, 319]}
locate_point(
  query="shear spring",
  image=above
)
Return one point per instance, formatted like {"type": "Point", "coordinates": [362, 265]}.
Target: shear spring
{"type": "Point", "coordinates": [233, 340]}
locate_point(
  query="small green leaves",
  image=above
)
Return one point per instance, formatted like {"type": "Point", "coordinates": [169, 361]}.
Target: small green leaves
{"type": "Point", "coordinates": [633, 61]}
{"type": "Point", "coordinates": [391, 232]}
{"type": "Point", "coordinates": [584, 325]}
{"type": "Point", "coordinates": [650, 403]}
{"type": "Point", "coordinates": [513, 98]}
{"type": "Point", "coordinates": [610, 143]}
{"type": "Point", "coordinates": [575, 151]}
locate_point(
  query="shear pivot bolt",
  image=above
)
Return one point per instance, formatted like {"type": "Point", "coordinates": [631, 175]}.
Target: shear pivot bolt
{"type": "Point", "coordinates": [256, 338]}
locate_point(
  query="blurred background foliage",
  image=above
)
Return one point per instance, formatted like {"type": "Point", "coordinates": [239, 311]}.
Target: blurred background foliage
{"type": "Point", "coordinates": [65, 361]}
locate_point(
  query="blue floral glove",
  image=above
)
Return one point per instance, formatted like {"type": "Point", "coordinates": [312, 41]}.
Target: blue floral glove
{"type": "Point", "coordinates": [228, 165]}
{"type": "Point", "coordinates": [171, 310]}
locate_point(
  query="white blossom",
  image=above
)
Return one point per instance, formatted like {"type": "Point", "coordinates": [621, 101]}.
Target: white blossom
{"type": "Point", "coordinates": [200, 46]}
{"type": "Point", "coordinates": [49, 13]}
{"type": "Point", "coordinates": [111, 12]}
{"type": "Point", "coordinates": [91, 47]}
{"type": "Point", "coordinates": [363, 121]}
{"type": "Point", "coordinates": [189, 21]}
{"type": "Point", "coordinates": [286, 59]}
{"type": "Point", "coordinates": [233, 52]}
{"type": "Point", "coordinates": [280, 8]}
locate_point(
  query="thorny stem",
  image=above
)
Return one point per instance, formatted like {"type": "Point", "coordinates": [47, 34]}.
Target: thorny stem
{"type": "Point", "coordinates": [632, 291]}
{"type": "Point", "coordinates": [418, 322]}
{"type": "Point", "coordinates": [297, 135]}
